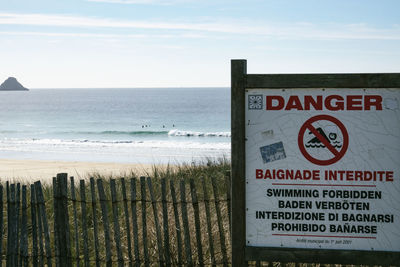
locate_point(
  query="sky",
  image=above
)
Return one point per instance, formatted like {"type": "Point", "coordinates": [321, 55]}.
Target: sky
{"type": "Point", "coordinates": [189, 43]}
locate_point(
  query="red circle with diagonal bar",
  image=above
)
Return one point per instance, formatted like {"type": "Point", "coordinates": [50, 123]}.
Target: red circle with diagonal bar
{"type": "Point", "coordinates": [337, 154]}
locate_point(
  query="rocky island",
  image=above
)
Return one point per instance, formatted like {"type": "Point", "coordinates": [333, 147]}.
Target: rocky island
{"type": "Point", "coordinates": [11, 84]}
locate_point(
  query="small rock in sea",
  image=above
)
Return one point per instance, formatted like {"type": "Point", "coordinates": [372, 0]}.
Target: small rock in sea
{"type": "Point", "coordinates": [11, 84]}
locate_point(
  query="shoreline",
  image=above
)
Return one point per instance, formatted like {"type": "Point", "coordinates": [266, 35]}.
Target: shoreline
{"type": "Point", "coordinates": [44, 170]}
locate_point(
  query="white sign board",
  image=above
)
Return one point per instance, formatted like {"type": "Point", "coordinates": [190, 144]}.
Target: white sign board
{"type": "Point", "coordinates": [323, 168]}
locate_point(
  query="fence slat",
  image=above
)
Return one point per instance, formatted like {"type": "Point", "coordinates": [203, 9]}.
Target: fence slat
{"type": "Point", "coordinates": [40, 231]}
{"type": "Point", "coordinates": [73, 198]}
{"type": "Point", "coordinates": [11, 224]}
{"type": "Point", "coordinates": [228, 197]}
{"type": "Point", "coordinates": [117, 234]}
{"type": "Point", "coordinates": [20, 240]}
{"type": "Point", "coordinates": [127, 224]}
{"type": "Point", "coordinates": [55, 205]}
{"type": "Point", "coordinates": [185, 222]}
{"type": "Point", "coordinates": [208, 218]}
{"type": "Point", "coordinates": [104, 213]}
{"type": "Point", "coordinates": [8, 224]}
{"type": "Point", "coordinates": [134, 222]}
{"type": "Point", "coordinates": [85, 236]}
{"type": "Point", "coordinates": [1, 224]}
{"type": "Point", "coordinates": [61, 216]}
{"type": "Point", "coordinates": [95, 231]}
{"type": "Point", "coordinates": [220, 226]}
{"type": "Point", "coordinates": [7, 214]}
{"type": "Point", "coordinates": [144, 224]}
{"type": "Point", "coordinates": [34, 228]}
{"type": "Point", "coordinates": [17, 223]}
{"type": "Point", "coordinates": [156, 223]}
{"type": "Point", "coordinates": [195, 205]}
{"type": "Point", "coordinates": [24, 229]}
{"type": "Point", "coordinates": [177, 223]}
{"type": "Point", "coordinates": [165, 222]}
{"type": "Point", "coordinates": [43, 218]}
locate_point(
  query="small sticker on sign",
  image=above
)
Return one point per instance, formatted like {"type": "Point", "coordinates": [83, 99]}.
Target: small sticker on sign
{"type": "Point", "coordinates": [272, 152]}
{"type": "Point", "coordinates": [267, 134]}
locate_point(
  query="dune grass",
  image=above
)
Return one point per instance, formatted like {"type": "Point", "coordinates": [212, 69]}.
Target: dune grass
{"type": "Point", "coordinates": [214, 197]}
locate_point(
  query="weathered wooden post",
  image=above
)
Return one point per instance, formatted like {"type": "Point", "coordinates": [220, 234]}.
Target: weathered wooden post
{"type": "Point", "coordinates": [135, 221]}
{"type": "Point", "coordinates": [42, 217]}
{"type": "Point", "coordinates": [62, 220]}
{"type": "Point", "coordinates": [82, 192]}
{"type": "Point", "coordinates": [117, 231]}
{"type": "Point", "coordinates": [94, 214]}
{"type": "Point", "coordinates": [1, 222]}
{"type": "Point", "coordinates": [156, 223]}
{"type": "Point", "coordinates": [104, 215]}
{"type": "Point", "coordinates": [24, 228]}
{"type": "Point", "coordinates": [34, 229]}
{"type": "Point", "coordinates": [177, 223]}
{"type": "Point", "coordinates": [238, 238]}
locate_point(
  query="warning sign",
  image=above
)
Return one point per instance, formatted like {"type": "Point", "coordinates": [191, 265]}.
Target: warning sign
{"type": "Point", "coordinates": [323, 138]}
{"type": "Point", "coordinates": [323, 168]}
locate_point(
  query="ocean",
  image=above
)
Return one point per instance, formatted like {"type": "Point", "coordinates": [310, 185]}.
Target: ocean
{"type": "Point", "coordinates": [148, 125]}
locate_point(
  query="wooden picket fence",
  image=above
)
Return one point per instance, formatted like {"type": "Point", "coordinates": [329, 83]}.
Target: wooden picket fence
{"type": "Point", "coordinates": [116, 222]}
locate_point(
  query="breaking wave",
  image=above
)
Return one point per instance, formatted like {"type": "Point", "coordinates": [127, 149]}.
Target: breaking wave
{"type": "Point", "coordinates": [198, 134]}
{"type": "Point", "coordinates": [174, 132]}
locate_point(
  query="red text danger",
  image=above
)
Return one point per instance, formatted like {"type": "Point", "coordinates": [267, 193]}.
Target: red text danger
{"type": "Point", "coordinates": [320, 102]}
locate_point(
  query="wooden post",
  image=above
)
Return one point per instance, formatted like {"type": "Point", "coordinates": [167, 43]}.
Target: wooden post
{"type": "Point", "coordinates": [11, 225]}
{"type": "Point", "coordinates": [24, 228]}
{"type": "Point", "coordinates": [185, 222]}
{"type": "Point", "coordinates": [117, 234]}
{"type": "Point", "coordinates": [8, 202]}
{"type": "Point", "coordinates": [156, 223]}
{"type": "Point", "coordinates": [238, 234]}
{"type": "Point", "coordinates": [17, 222]}
{"type": "Point", "coordinates": [165, 222]}
{"type": "Point", "coordinates": [42, 217]}
{"type": "Point", "coordinates": [40, 231]}
{"type": "Point", "coordinates": [1, 224]}
{"type": "Point", "coordinates": [177, 224]}
{"type": "Point", "coordinates": [127, 224]}
{"type": "Point", "coordinates": [104, 215]}
{"type": "Point", "coordinates": [61, 217]}
{"type": "Point", "coordinates": [208, 218]}
{"type": "Point", "coordinates": [195, 205]}
{"type": "Point", "coordinates": [94, 213]}
{"type": "Point", "coordinates": [220, 225]}
{"type": "Point", "coordinates": [34, 230]}
{"type": "Point", "coordinates": [134, 221]}
{"type": "Point", "coordinates": [55, 206]}
{"type": "Point", "coordinates": [144, 224]}
{"type": "Point", "coordinates": [73, 198]}
{"type": "Point", "coordinates": [85, 235]}
{"type": "Point", "coordinates": [228, 197]}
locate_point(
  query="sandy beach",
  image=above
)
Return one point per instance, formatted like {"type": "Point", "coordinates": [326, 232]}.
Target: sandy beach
{"type": "Point", "coordinates": [32, 170]}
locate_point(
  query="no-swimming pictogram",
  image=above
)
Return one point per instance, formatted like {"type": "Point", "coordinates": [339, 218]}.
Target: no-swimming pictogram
{"type": "Point", "coordinates": [336, 142]}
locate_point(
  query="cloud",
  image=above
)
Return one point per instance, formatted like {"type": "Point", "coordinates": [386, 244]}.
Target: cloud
{"type": "Point", "coordinates": [100, 35]}
{"type": "Point", "coordinates": [145, 2]}
{"type": "Point", "coordinates": [69, 34]}
{"type": "Point", "coordinates": [79, 21]}
{"type": "Point", "coordinates": [249, 28]}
